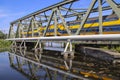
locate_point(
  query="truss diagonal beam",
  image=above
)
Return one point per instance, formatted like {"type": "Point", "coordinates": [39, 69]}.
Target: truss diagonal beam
{"type": "Point", "coordinates": [18, 29]}
{"type": "Point", "coordinates": [30, 27]}
{"type": "Point", "coordinates": [85, 17]}
{"type": "Point", "coordinates": [83, 12]}
{"type": "Point", "coordinates": [114, 7]}
{"type": "Point", "coordinates": [49, 21]}
{"type": "Point", "coordinates": [64, 23]}
{"type": "Point", "coordinates": [69, 10]}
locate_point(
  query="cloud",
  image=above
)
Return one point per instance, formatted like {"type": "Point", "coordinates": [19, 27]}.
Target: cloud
{"type": "Point", "coordinates": [3, 15]}
{"type": "Point", "coordinates": [6, 17]}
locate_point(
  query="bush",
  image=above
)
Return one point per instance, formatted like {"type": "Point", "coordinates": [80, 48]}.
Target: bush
{"type": "Point", "coordinates": [2, 35]}
{"type": "Point", "coordinates": [4, 43]}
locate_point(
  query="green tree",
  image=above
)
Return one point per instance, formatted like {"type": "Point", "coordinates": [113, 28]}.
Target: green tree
{"type": "Point", "coordinates": [2, 35]}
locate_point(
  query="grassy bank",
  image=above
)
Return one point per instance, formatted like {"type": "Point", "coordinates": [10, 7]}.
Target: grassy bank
{"type": "Point", "coordinates": [115, 49]}
{"type": "Point", "coordinates": [4, 45]}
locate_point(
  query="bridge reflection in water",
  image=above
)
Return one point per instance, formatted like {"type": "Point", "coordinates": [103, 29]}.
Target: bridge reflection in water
{"type": "Point", "coordinates": [53, 68]}
{"type": "Point", "coordinates": [38, 71]}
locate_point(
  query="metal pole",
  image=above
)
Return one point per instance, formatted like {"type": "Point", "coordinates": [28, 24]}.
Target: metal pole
{"type": "Point", "coordinates": [55, 22]}
{"type": "Point", "coordinates": [32, 26]}
{"type": "Point", "coordinates": [100, 17]}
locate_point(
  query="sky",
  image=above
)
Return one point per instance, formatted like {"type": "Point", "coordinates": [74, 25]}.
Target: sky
{"type": "Point", "coordinates": [11, 10]}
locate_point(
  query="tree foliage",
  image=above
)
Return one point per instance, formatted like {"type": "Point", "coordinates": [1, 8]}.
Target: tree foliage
{"type": "Point", "coordinates": [2, 35]}
{"type": "Point", "coordinates": [4, 43]}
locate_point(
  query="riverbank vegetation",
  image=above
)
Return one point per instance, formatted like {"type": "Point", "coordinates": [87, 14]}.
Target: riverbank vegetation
{"type": "Point", "coordinates": [3, 35]}
{"type": "Point", "coordinates": [4, 44]}
{"type": "Point", "coordinates": [113, 48]}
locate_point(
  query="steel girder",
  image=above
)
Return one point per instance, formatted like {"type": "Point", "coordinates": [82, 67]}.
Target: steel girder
{"type": "Point", "coordinates": [39, 18]}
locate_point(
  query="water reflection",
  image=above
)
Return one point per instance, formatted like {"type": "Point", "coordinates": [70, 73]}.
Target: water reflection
{"type": "Point", "coordinates": [36, 71]}
{"type": "Point", "coordinates": [6, 72]}
{"type": "Point", "coordinates": [52, 67]}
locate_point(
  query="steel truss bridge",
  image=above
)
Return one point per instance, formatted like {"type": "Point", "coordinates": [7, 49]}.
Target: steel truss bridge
{"type": "Point", "coordinates": [23, 30]}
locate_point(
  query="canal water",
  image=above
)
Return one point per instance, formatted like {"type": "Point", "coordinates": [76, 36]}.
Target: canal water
{"type": "Point", "coordinates": [16, 68]}
{"type": "Point", "coordinates": [13, 72]}
{"type": "Point", "coordinates": [6, 71]}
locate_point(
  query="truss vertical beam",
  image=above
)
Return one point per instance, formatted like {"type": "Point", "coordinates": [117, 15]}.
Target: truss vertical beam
{"type": "Point", "coordinates": [30, 68]}
{"type": "Point", "coordinates": [86, 16]}
{"type": "Point", "coordinates": [114, 7]}
{"type": "Point", "coordinates": [55, 75]}
{"type": "Point", "coordinates": [100, 17]}
{"type": "Point", "coordinates": [19, 33]}
{"type": "Point", "coordinates": [40, 25]}
{"type": "Point", "coordinates": [48, 73]}
{"type": "Point", "coordinates": [11, 57]}
{"type": "Point", "coordinates": [35, 24]}
{"type": "Point", "coordinates": [49, 21]}
{"type": "Point", "coordinates": [29, 28]}
{"type": "Point", "coordinates": [11, 31]}
{"type": "Point", "coordinates": [18, 62]}
{"type": "Point", "coordinates": [55, 23]}
{"type": "Point", "coordinates": [22, 30]}
{"type": "Point", "coordinates": [18, 30]}
{"type": "Point", "coordinates": [32, 26]}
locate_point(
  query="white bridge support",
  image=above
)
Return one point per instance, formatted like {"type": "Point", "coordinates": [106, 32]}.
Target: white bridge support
{"type": "Point", "coordinates": [38, 50]}
{"type": "Point", "coordinates": [68, 54]}
{"type": "Point", "coordinates": [22, 48]}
